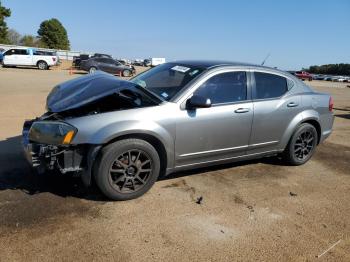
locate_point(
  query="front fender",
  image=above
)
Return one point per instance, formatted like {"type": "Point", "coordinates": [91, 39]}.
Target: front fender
{"type": "Point", "coordinates": [107, 133]}
{"type": "Point", "coordinates": [114, 130]}
{"type": "Point", "coordinates": [99, 131]}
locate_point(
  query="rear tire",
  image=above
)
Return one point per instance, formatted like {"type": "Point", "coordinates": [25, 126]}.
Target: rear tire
{"type": "Point", "coordinates": [42, 65]}
{"type": "Point", "coordinates": [301, 146]}
{"type": "Point", "coordinates": [126, 73]}
{"type": "Point", "coordinates": [127, 169]}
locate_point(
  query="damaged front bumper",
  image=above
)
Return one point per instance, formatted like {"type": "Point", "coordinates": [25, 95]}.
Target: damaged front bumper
{"type": "Point", "coordinates": [65, 158]}
{"type": "Point", "coordinates": [77, 159]}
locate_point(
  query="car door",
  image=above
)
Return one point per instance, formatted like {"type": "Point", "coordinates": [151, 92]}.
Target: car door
{"type": "Point", "coordinates": [108, 65]}
{"type": "Point", "coordinates": [25, 57]}
{"type": "Point", "coordinates": [118, 67]}
{"type": "Point", "coordinates": [9, 57]}
{"type": "Point", "coordinates": [274, 108]}
{"type": "Point", "coordinates": [100, 63]}
{"type": "Point", "coordinates": [221, 131]}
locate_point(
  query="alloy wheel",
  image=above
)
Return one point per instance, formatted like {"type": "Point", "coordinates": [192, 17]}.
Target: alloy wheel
{"type": "Point", "coordinates": [42, 65]}
{"type": "Point", "coordinates": [126, 73]}
{"type": "Point", "coordinates": [130, 171]}
{"type": "Point", "coordinates": [304, 144]}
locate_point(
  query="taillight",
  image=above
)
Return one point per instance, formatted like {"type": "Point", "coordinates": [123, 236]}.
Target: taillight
{"type": "Point", "coordinates": [330, 105]}
{"type": "Point", "coordinates": [54, 59]}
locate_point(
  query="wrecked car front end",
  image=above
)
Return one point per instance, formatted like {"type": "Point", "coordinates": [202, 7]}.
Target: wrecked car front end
{"type": "Point", "coordinates": [48, 140]}
{"type": "Point", "coordinates": [47, 145]}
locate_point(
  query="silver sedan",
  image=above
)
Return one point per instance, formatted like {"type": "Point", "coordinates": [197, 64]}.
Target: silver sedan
{"type": "Point", "coordinates": [176, 116]}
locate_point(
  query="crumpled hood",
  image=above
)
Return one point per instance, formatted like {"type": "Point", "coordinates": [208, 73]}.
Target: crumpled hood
{"type": "Point", "coordinates": [84, 90]}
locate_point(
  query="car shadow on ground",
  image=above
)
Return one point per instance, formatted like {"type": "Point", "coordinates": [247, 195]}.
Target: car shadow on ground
{"type": "Point", "coordinates": [16, 174]}
{"type": "Point", "coordinates": [345, 116]}
{"type": "Point", "coordinates": [342, 109]}
{"type": "Point", "coordinates": [268, 160]}
{"type": "Point", "coordinates": [24, 68]}
{"type": "Point", "coordinates": [76, 72]}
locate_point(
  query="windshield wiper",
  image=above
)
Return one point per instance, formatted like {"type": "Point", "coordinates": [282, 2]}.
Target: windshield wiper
{"type": "Point", "coordinates": [161, 99]}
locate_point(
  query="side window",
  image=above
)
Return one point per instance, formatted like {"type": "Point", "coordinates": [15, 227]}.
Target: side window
{"type": "Point", "coordinates": [269, 85]}
{"type": "Point", "coordinates": [225, 88]}
{"type": "Point", "coordinates": [112, 61]}
{"type": "Point", "coordinates": [10, 52]}
{"type": "Point", "coordinates": [99, 60]}
{"type": "Point", "coordinates": [20, 52]}
{"type": "Point", "coordinates": [106, 60]}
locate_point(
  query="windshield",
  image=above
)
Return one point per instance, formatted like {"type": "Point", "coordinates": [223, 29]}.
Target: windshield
{"type": "Point", "coordinates": [167, 80]}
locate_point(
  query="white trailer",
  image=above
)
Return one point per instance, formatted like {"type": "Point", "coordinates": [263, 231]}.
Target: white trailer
{"type": "Point", "coordinates": [157, 61]}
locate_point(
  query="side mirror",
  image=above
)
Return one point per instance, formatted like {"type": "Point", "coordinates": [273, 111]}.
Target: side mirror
{"type": "Point", "coordinates": [198, 102]}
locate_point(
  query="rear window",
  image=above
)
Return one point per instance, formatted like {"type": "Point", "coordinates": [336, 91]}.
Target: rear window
{"type": "Point", "coordinates": [269, 85]}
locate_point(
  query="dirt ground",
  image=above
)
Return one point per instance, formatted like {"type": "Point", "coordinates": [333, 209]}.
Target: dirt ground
{"type": "Point", "coordinates": [251, 211]}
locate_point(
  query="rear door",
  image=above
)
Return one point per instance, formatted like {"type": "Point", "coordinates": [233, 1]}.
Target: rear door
{"type": "Point", "coordinates": [26, 57]}
{"type": "Point", "coordinates": [274, 109]}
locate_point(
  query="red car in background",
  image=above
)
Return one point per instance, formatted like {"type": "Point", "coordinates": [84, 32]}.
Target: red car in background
{"type": "Point", "coordinates": [303, 75]}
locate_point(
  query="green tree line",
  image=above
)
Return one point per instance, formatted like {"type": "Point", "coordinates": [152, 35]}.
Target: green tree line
{"type": "Point", "coordinates": [51, 33]}
{"type": "Point", "coordinates": [330, 69]}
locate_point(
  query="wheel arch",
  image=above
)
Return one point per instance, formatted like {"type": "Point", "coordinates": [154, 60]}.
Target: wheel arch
{"type": "Point", "coordinates": [316, 125]}
{"type": "Point", "coordinates": [126, 69]}
{"type": "Point", "coordinates": [303, 117]}
{"type": "Point", "coordinates": [41, 60]}
{"type": "Point", "coordinates": [95, 152]}
{"type": "Point", "coordinates": [153, 140]}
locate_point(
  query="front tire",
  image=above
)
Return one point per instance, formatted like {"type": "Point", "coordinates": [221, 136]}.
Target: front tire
{"type": "Point", "coordinates": [301, 146]}
{"type": "Point", "coordinates": [92, 70]}
{"type": "Point", "coordinates": [127, 169]}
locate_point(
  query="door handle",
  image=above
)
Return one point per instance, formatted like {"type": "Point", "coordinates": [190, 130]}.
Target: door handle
{"type": "Point", "coordinates": [292, 104]}
{"type": "Point", "coordinates": [242, 110]}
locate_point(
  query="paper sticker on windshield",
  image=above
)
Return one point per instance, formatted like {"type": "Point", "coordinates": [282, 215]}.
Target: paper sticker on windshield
{"type": "Point", "coordinates": [194, 72]}
{"type": "Point", "coordinates": [165, 95]}
{"type": "Point", "coordinates": [181, 69]}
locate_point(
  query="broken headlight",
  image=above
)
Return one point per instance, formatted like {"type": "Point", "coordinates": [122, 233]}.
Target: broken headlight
{"type": "Point", "coordinates": [52, 133]}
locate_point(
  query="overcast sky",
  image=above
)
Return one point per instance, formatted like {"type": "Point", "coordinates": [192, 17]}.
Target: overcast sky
{"type": "Point", "coordinates": [297, 33]}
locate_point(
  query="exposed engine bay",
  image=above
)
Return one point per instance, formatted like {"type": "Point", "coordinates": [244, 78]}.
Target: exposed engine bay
{"type": "Point", "coordinates": [123, 100]}
{"type": "Point", "coordinates": [47, 139]}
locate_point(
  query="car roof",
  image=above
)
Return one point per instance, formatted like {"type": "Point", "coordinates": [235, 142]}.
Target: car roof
{"type": "Point", "coordinates": [21, 48]}
{"type": "Point", "coordinates": [100, 57]}
{"type": "Point", "coordinates": [210, 64]}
